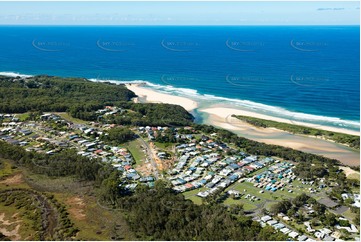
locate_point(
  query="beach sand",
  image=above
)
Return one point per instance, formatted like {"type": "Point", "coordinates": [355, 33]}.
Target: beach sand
{"type": "Point", "coordinates": [221, 117]}
{"type": "Point", "coordinates": [148, 95]}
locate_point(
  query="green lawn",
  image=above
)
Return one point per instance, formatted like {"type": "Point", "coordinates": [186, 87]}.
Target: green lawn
{"type": "Point", "coordinates": [266, 195]}
{"type": "Point", "coordinates": [354, 176]}
{"type": "Point", "coordinates": [247, 204]}
{"type": "Point", "coordinates": [194, 192]}
{"type": "Point", "coordinates": [5, 168]}
{"type": "Point", "coordinates": [197, 200]}
{"type": "Point", "coordinates": [164, 146]}
{"type": "Point", "coordinates": [269, 205]}
{"type": "Point", "coordinates": [23, 116]}
{"type": "Point", "coordinates": [136, 150]}
{"type": "Point", "coordinates": [66, 116]}
{"type": "Point", "coordinates": [192, 195]}
{"type": "Point", "coordinates": [349, 215]}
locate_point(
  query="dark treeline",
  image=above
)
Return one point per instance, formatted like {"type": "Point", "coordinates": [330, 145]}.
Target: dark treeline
{"type": "Point", "coordinates": [118, 135]}
{"type": "Point", "coordinates": [152, 114]}
{"type": "Point", "coordinates": [81, 98]}
{"type": "Point", "coordinates": [46, 93]}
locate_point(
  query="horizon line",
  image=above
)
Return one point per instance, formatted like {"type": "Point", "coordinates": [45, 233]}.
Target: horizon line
{"type": "Point", "coordinates": [174, 25]}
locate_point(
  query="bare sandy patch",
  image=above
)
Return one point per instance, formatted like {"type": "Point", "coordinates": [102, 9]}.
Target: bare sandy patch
{"type": "Point", "coordinates": [77, 207]}
{"type": "Point", "coordinates": [350, 172]}
{"type": "Point", "coordinates": [13, 180]}
{"type": "Point", "coordinates": [4, 227]}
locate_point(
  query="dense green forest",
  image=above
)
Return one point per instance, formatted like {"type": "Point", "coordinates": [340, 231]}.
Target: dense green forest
{"type": "Point", "coordinates": [81, 98]}
{"type": "Point", "coordinates": [47, 93]}
{"type": "Point", "coordinates": [351, 140]}
{"type": "Point", "coordinates": [172, 217]}
{"type": "Point", "coordinates": [152, 114]}
{"type": "Point", "coordinates": [118, 135]}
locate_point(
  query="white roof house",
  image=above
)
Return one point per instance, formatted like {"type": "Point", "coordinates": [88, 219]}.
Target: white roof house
{"type": "Point", "coordinates": [266, 218]}
{"type": "Point", "coordinates": [293, 234]}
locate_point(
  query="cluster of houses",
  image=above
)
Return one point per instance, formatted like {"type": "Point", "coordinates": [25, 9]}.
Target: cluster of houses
{"type": "Point", "coordinates": [293, 235]}
{"type": "Point", "coordinates": [203, 164]}
{"type": "Point", "coordinates": [275, 178]}
{"type": "Point", "coordinates": [83, 138]}
{"type": "Point", "coordinates": [151, 132]}
{"type": "Point", "coordinates": [109, 110]}
{"type": "Point", "coordinates": [323, 233]}
{"type": "Point", "coordinates": [355, 197]}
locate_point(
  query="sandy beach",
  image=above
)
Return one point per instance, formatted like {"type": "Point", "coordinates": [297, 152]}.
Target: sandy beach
{"type": "Point", "coordinates": [148, 95]}
{"type": "Point", "coordinates": [221, 117]}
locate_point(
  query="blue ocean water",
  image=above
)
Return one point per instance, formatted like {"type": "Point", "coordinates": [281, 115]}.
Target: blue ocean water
{"type": "Point", "coordinates": [305, 73]}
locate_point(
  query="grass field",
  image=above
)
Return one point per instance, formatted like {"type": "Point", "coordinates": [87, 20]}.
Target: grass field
{"type": "Point", "coordinates": [349, 215]}
{"type": "Point", "coordinates": [192, 195]}
{"type": "Point", "coordinates": [66, 116]}
{"type": "Point", "coordinates": [164, 146]}
{"type": "Point", "coordinates": [23, 116]}
{"type": "Point", "coordinates": [135, 148]}
{"type": "Point", "coordinates": [266, 195]}
{"type": "Point", "coordinates": [5, 168]}
{"type": "Point", "coordinates": [247, 205]}
{"type": "Point", "coordinates": [354, 176]}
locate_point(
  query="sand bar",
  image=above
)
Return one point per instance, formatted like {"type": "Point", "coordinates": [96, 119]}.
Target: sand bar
{"type": "Point", "coordinates": [225, 112]}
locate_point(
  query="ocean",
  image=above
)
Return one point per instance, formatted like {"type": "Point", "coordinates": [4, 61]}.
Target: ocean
{"type": "Point", "coordinates": [302, 73]}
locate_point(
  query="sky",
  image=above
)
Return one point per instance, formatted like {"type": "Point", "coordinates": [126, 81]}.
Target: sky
{"type": "Point", "coordinates": [180, 13]}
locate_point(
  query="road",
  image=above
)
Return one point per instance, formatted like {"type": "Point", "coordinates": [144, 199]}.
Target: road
{"type": "Point", "coordinates": [150, 156]}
